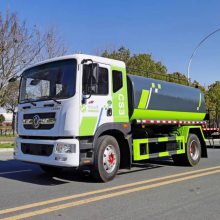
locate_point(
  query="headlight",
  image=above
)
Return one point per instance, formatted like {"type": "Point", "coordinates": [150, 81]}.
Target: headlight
{"type": "Point", "coordinates": [65, 148]}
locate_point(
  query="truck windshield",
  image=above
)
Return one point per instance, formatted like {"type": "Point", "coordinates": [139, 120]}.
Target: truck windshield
{"type": "Point", "coordinates": [55, 80]}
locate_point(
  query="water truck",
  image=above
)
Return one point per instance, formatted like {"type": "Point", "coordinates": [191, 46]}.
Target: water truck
{"type": "Point", "coordinates": [85, 112]}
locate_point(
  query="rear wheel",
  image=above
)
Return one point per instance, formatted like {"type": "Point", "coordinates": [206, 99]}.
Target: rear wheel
{"type": "Point", "coordinates": [51, 170]}
{"type": "Point", "coordinates": [106, 159]}
{"type": "Point", "coordinates": [193, 152]}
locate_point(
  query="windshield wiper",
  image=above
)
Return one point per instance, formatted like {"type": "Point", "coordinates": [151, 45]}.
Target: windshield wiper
{"type": "Point", "coordinates": [28, 100]}
{"type": "Point", "coordinates": [50, 98]}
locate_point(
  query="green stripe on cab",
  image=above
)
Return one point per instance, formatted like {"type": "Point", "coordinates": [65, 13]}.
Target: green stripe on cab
{"type": "Point", "coordinates": [88, 126]}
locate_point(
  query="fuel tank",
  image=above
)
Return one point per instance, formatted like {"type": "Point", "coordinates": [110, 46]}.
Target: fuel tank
{"type": "Point", "coordinates": [151, 99]}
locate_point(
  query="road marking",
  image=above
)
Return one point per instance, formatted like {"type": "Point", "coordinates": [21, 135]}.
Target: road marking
{"type": "Point", "coordinates": [106, 196]}
{"type": "Point", "coordinates": [65, 198]}
{"type": "Point", "coordinates": [15, 171]}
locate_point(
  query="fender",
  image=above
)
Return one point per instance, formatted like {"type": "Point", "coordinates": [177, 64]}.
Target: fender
{"type": "Point", "coordinates": [185, 130]}
{"type": "Point", "coordinates": [125, 130]}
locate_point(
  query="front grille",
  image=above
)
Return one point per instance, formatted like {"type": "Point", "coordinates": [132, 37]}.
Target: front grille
{"type": "Point", "coordinates": [37, 149]}
{"type": "Point", "coordinates": [44, 121]}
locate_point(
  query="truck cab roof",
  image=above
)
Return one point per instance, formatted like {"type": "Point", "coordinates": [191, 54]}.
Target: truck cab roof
{"type": "Point", "coordinates": [80, 57]}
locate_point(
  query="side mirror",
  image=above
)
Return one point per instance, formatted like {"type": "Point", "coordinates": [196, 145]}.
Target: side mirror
{"type": "Point", "coordinates": [91, 75]}
{"type": "Point", "coordinates": [34, 82]}
{"type": "Point", "coordinates": [95, 70]}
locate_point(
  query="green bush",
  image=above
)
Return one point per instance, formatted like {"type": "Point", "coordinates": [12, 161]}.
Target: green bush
{"type": "Point", "coordinates": [2, 118]}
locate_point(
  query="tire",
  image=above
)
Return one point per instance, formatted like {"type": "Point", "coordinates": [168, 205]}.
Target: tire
{"type": "Point", "coordinates": [51, 170]}
{"type": "Point", "coordinates": [106, 159]}
{"type": "Point", "coordinates": [193, 152]}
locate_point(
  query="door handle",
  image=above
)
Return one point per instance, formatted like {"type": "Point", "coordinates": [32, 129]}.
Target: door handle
{"type": "Point", "coordinates": [109, 112]}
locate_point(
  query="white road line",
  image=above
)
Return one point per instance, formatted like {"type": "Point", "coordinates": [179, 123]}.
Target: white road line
{"type": "Point", "coordinates": [15, 171]}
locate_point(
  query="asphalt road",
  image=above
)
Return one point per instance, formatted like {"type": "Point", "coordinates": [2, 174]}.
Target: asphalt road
{"type": "Point", "coordinates": [157, 190]}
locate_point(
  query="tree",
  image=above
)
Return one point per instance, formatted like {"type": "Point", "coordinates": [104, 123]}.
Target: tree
{"type": "Point", "coordinates": [21, 46]}
{"type": "Point", "coordinates": [2, 118]}
{"type": "Point", "coordinates": [213, 101]}
{"type": "Point", "coordinates": [178, 77]}
{"type": "Point", "coordinates": [18, 47]}
{"type": "Point", "coordinates": [122, 54]}
{"type": "Point", "coordinates": [10, 100]}
{"type": "Point", "coordinates": [53, 45]}
{"type": "Point", "coordinates": [143, 64]}
{"type": "Point", "coordinates": [139, 64]}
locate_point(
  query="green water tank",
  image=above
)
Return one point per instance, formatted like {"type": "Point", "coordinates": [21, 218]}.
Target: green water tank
{"type": "Point", "coordinates": [151, 99]}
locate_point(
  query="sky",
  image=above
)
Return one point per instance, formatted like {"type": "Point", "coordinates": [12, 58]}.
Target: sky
{"type": "Point", "coordinates": [169, 30]}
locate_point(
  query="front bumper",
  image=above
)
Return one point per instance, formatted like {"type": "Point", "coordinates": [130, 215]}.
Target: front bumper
{"type": "Point", "coordinates": [54, 159]}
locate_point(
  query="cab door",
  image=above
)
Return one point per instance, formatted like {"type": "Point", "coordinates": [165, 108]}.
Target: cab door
{"type": "Point", "coordinates": [119, 95]}
{"type": "Point", "coordinates": [96, 99]}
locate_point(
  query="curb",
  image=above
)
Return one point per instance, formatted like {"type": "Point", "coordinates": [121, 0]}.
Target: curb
{"type": "Point", "coordinates": [216, 142]}
{"type": "Point", "coordinates": [6, 150]}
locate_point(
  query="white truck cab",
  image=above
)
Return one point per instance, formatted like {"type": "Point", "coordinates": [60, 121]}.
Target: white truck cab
{"type": "Point", "coordinates": [56, 108]}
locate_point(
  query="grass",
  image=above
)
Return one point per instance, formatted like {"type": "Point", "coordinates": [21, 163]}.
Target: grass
{"type": "Point", "coordinates": [5, 127]}
{"type": "Point", "coordinates": [7, 137]}
{"type": "Point", "coordinates": [7, 146]}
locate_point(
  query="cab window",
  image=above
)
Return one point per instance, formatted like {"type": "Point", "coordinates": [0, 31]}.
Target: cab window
{"type": "Point", "coordinates": [95, 84]}
{"type": "Point", "coordinates": [117, 80]}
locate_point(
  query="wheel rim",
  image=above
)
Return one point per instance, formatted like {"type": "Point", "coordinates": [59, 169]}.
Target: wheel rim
{"type": "Point", "coordinates": [194, 150]}
{"type": "Point", "coordinates": [109, 159]}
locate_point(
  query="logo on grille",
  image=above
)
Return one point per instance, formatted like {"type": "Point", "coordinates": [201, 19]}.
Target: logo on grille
{"type": "Point", "coordinates": [36, 121]}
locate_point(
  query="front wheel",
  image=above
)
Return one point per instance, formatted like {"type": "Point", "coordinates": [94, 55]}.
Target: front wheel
{"type": "Point", "coordinates": [193, 152]}
{"type": "Point", "coordinates": [106, 159]}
